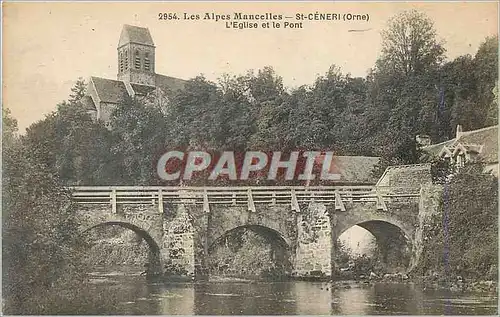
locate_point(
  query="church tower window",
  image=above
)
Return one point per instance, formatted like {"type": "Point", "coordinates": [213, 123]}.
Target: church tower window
{"type": "Point", "coordinates": [121, 62]}
{"type": "Point", "coordinates": [126, 59]}
{"type": "Point", "coordinates": [137, 60]}
{"type": "Point", "coordinates": [146, 61]}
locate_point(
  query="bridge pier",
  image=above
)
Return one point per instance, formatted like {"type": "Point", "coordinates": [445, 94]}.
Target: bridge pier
{"type": "Point", "coordinates": [314, 242]}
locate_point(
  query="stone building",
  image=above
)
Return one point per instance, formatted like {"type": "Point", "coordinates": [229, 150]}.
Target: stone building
{"type": "Point", "coordinates": [468, 146]}
{"type": "Point", "coordinates": [136, 75]}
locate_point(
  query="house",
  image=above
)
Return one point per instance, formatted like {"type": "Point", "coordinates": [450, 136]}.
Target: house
{"type": "Point", "coordinates": [136, 75]}
{"type": "Point", "coordinates": [468, 146]}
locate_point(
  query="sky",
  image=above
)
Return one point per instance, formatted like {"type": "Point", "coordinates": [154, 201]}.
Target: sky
{"type": "Point", "coordinates": [47, 46]}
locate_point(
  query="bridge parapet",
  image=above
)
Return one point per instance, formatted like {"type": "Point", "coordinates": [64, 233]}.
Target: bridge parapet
{"type": "Point", "coordinates": [293, 196]}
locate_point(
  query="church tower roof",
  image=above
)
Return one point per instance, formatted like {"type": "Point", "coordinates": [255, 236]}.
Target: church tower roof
{"type": "Point", "coordinates": [135, 34]}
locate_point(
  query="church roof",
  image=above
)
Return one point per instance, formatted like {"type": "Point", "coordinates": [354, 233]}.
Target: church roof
{"type": "Point", "coordinates": [135, 34]}
{"type": "Point", "coordinates": [88, 103]}
{"type": "Point", "coordinates": [112, 91]}
{"type": "Point", "coordinates": [484, 140]}
{"type": "Point", "coordinates": [167, 83]}
{"type": "Point", "coordinates": [109, 90]}
{"type": "Point", "coordinates": [142, 90]}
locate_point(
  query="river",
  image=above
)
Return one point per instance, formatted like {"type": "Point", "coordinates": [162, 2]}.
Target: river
{"type": "Point", "coordinates": [132, 294]}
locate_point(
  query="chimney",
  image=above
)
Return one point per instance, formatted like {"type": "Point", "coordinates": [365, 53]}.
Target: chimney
{"type": "Point", "coordinates": [459, 131]}
{"type": "Point", "coordinates": [423, 140]}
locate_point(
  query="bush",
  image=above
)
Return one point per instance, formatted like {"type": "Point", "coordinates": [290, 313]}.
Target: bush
{"type": "Point", "coordinates": [463, 238]}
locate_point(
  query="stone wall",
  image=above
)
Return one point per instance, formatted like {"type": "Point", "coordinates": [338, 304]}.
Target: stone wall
{"type": "Point", "coordinates": [177, 246]}
{"type": "Point", "coordinates": [139, 76]}
{"type": "Point", "coordinates": [314, 242]}
{"type": "Point", "coordinates": [429, 204]}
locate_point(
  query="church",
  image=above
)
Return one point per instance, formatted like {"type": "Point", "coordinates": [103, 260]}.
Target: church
{"type": "Point", "coordinates": [136, 75]}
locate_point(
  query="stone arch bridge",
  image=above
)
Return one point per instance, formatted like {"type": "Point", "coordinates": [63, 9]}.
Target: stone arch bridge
{"type": "Point", "coordinates": [180, 224]}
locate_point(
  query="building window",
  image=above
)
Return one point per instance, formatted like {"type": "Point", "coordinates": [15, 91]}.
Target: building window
{"type": "Point", "coordinates": [137, 60]}
{"type": "Point", "coordinates": [126, 59]}
{"type": "Point", "coordinates": [120, 62]}
{"type": "Point", "coordinates": [146, 61]}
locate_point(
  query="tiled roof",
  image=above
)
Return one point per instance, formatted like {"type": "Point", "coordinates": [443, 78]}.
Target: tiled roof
{"type": "Point", "coordinates": [108, 90]}
{"type": "Point", "coordinates": [142, 90]}
{"type": "Point", "coordinates": [113, 91]}
{"type": "Point", "coordinates": [433, 150]}
{"type": "Point", "coordinates": [88, 103]}
{"type": "Point", "coordinates": [355, 169]}
{"type": "Point", "coordinates": [486, 139]}
{"type": "Point", "coordinates": [169, 84]}
{"type": "Point", "coordinates": [411, 176]}
{"type": "Point", "coordinates": [135, 34]}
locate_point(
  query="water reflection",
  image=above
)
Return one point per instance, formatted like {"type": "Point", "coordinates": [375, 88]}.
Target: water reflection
{"type": "Point", "coordinates": [356, 300]}
{"type": "Point", "coordinates": [137, 296]}
{"type": "Point", "coordinates": [244, 299]}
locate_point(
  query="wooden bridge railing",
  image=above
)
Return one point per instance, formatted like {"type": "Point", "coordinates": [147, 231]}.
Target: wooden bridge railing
{"type": "Point", "coordinates": [237, 196]}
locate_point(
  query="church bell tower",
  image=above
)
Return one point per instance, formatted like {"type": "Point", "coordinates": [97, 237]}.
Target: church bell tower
{"type": "Point", "coordinates": [136, 56]}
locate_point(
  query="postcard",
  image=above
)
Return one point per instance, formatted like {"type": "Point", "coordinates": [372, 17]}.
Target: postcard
{"type": "Point", "coordinates": [250, 158]}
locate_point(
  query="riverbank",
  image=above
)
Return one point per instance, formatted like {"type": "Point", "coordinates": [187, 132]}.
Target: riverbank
{"type": "Point", "coordinates": [425, 283]}
{"type": "Point", "coordinates": [455, 285]}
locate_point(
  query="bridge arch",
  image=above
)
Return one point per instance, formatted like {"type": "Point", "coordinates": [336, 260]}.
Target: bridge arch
{"type": "Point", "coordinates": [395, 244]}
{"type": "Point", "coordinates": [282, 240]}
{"type": "Point", "coordinates": [276, 248]}
{"type": "Point", "coordinates": [154, 248]}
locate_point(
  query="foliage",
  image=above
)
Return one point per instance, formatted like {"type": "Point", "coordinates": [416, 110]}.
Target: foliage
{"type": "Point", "coordinates": [71, 145]}
{"type": "Point", "coordinates": [355, 265]}
{"type": "Point", "coordinates": [245, 252]}
{"type": "Point", "coordinates": [409, 44]}
{"type": "Point", "coordinates": [463, 238]}
{"type": "Point", "coordinates": [40, 250]}
{"type": "Point", "coordinates": [138, 134]}
{"type": "Point", "coordinates": [410, 91]}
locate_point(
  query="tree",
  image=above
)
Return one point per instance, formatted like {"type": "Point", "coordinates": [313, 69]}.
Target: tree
{"type": "Point", "coordinates": [139, 135]}
{"type": "Point", "coordinates": [463, 238]}
{"type": "Point", "coordinates": [9, 128]}
{"type": "Point", "coordinates": [493, 111]}
{"type": "Point", "coordinates": [265, 86]}
{"type": "Point", "coordinates": [468, 87]}
{"type": "Point", "coordinates": [409, 44]}
{"type": "Point", "coordinates": [39, 247]}
{"type": "Point", "coordinates": [72, 146]}
{"type": "Point", "coordinates": [192, 113]}
{"type": "Point", "coordinates": [404, 92]}
{"type": "Point", "coordinates": [77, 91]}
{"type": "Point", "coordinates": [486, 74]}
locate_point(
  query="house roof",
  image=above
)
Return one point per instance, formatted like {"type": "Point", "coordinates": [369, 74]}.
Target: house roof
{"type": "Point", "coordinates": [484, 141]}
{"type": "Point", "coordinates": [135, 34]}
{"type": "Point", "coordinates": [354, 169]}
{"type": "Point", "coordinates": [409, 176]}
{"type": "Point", "coordinates": [109, 90]}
